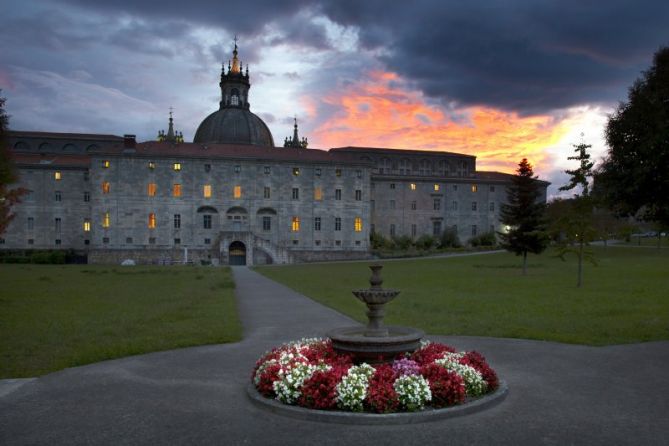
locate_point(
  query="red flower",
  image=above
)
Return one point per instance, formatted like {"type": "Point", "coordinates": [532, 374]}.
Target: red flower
{"type": "Point", "coordinates": [447, 387]}
{"type": "Point", "coordinates": [476, 360]}
{"type": "Point", "coordinates": [273, 354]}
{"type": "Point", "coordinates": [430, 352]}
{"type": "Point", "coordinates": [381, 395]}
{"type": "Point", "coordinates": [320, 390]}
{"type": "Point", "coordinates": [266, 382]}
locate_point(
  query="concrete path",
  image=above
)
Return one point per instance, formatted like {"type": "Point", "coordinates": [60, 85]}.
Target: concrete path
{"type": "Point", "coordinates": [559, 394]}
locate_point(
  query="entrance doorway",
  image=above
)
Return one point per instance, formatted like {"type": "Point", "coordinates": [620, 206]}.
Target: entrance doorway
{"type": "Point", "coordinates": [237, 253]}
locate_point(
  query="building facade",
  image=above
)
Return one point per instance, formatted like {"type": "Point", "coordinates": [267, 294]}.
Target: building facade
{"type": "Point", "coordinates": [231, 196]}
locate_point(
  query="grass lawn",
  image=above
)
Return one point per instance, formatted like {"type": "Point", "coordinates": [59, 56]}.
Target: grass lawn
{"type": "Point", "coordinates": [624, 299]}
{"type": "Point", "coordinates": [53, 316]}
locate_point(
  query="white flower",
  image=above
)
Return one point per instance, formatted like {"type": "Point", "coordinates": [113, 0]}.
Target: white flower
{"type": "Point", "coordinates": [474, 383]}
{"type": "Point", "coordinates": [352, 389]}
{"type": "Point", "coordinates": [413, 391]}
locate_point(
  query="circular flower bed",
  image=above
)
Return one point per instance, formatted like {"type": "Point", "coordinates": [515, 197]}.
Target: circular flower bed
{"type": "Point", "coordinates": [311, 374]}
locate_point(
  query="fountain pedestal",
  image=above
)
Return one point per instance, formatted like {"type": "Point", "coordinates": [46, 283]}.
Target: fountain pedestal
{"type": "Point", "coordinates": [375, 342]}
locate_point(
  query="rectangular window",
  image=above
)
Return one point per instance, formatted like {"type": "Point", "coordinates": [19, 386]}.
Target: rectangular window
{"type": "Point", "coordinates": [177, 221]}
{"type": "Point", "coordinates": [86, 176]}
{"type": "Point", "coordinates": [358, 173]}
{"type": "Point", "coordinates": [372, 204]}
{"type": "Point", "coordinates": [266, 192]}
{"type": "Point", "coordinates": [106, 220]}
{"type": "Point", "coordinates": [317, 242]}
{"type": "Point", "coordinates": [57, 222]}
{"type": "Point", "coordinates": [128, 240]}
{"type": "Point", "coordinates": [176, 167]}
{"type": "Point", "coordinates": [454, 205]}
{"type": "Point", "coordinates": [318, 193]}
{"type": "Point", "coordinates": [338, 172]}
{"type": "Point", "coordinates": [357, 225]}
{"type": "Point", "coordinates": [56, 176]}
{"type": "Point", "coordinates": [392, 230]}
{"type": "Point", "coordinates": [413, 186]}
{"type": "Point", "coordinates": [338, 242]}
{"type": "Point", "coordinates": [474, 205]}
{"type": "Point", "coordinates": [392, 185]}
{"type": "Point", "coordinates": [105, 240]}
{"type": "Point", "coordinates": [392, 204]}
{"type": "Point", "coordinates": [455, 187]}
{"type": "Point", "coordinates": [436, 228]}
{"type": "Point", "coordinates": [58, 196]}
{"type": "Point", "coordinates": [436, 188]}
{"type": "Point", "coordinates": [413, 205]}
{"type": "Point", "coordinates": [296, 171]}
{"type": "Point", "coordinates": [337, 194]}
{"type": "Point", "coordinates": [436, 205]}
{"type": "Point", "coordinates": [31, 241]}
{"type": "Point", "coordinates": [492, 228]}
{"type": "Point", "coordinates": [57, 241]}
{"type": "Point", "coordinates": [206, 221]}
{"type": "Point", "coordinates": [492, 188]}
{"type": "Point", "coordinates": [268, 170]}
{"type": "Point", "coordinates": [337, 223]}
{"type": "Point", "coordinates": [106, 187]}
{"type": "Point", "coordinates": [87, 225]}
{"type": "Point", "coordinates": [267, 223]}
{"type": "Point", "coordinates": [413, 230]}
{"type": "Point", "coordinates": [105, 164]}
{"type": "Point", "coordinates": [207, 167]}
{"type": "Point", "coordinates": [295, 224]}
{"type": "Point", "coordinates": [237, 192]}
{"type": "Point", "coordinates": [31, 223]}
{"type": "Point", "coordinates": [152, 165]}
{"type": "Point", "coordinates": [318, 171]}
{"type": "Point", "coordinates": [296, 193]}
{"type": "Point", "coordinates": [491, 206]}
{"type": "Point", "coordinates": [475, 188]}
{"type": "Point", "coordinates": [206, 191]}
{"type": "Point", "coordinates": [176, 190]}
{"type": "Point", "coordinates": [474, 230]}
{"type": "Point", "coordinates": [207, 241]}
{"type": "Point", "coordinates": [238, 169]}
{"type": "Point", "coordinates": [358, 195]}
{"type": "Point", "coordinates": [317, 223]}
{"type": "Point", "coordinates": [152, 240]}
{"type": "Point", "coordinates": [177, 241]}
{"type": "Point", "coordinates": [152, 220]}
{"type": "Point", "coordinates": [151, 189]}
{"type": "Point", "coordinates": [87, 196]}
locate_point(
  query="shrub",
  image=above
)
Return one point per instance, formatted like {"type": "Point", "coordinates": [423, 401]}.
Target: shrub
{"type": "Point", "coordinates": [487, 239]}
{"type": "Point", "coordinates": [449, 239]}
{"type": "Point", "coordinates": [426, 242]}
{"type": "Point", "coordinates": [402, 242]}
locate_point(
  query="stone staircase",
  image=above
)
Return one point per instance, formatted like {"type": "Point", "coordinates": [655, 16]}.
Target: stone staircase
{"type": "Point", "coordinates": [279, 255]}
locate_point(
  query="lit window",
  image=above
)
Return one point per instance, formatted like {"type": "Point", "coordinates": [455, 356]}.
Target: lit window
{"type": "Point", "coordinates": [295, 226]}
{"type": "Point", "coordinates": [296, 193]}
{"type": "Point", "coordinates": [206, 191]}
{"type": "Point", "coordinates": [56, 176]}
{"type": "Point", "coordinates": [474, 188]}
{"type": "Point", "coordinates": [106, 220]}
{"type": "Point", "coordinates": [176, 190]}
{"type": "Point", "coordinates": [152, 220]}
{"type": "Point", "coordinates": [176, 167]}
{"type": "Point", "coordinates": [358, 224]}
{"type": "Point", "coordinates": [87, 225]}
{"type": "Point", "coordinates": [338, 172]}
{"type": "Point", "coordinates": [151, 189]}
{"type": "Point", "coordinates": [106, 187]}
{"type": "Point", "coordinates": [105, 164]}
{"type": "Point", "coordinates": [237, 192]}
{"type": "Point", "coordinates": [152, 165]}
{"type": "Point", "coordinates": [318, 194]}
{"type": "Point", "coordinates": [296, 171]}
{"type": "Point", "coordinates": [436, 188]}
{"type": "Point", "coordinates": [413, 186]}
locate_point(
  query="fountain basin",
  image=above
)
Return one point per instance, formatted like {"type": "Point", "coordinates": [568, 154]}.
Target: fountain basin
{"type": "Point", "coordinates": [356, 342]}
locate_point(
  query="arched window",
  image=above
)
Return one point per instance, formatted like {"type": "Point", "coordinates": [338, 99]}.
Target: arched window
{"type": "Point", "coordinates": [234, 97]}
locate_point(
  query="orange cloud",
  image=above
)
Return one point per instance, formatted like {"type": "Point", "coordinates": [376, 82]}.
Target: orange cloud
{"type": "Point", "coordinates": [381, 112]}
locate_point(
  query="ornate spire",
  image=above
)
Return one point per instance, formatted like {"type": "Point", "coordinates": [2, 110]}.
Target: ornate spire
{"type": "Point", "coordinates": [171, 135]}
{"type": "Point", "coordinates": [235, 60]}
{"type": "Point", "coordinates": [295, 140]}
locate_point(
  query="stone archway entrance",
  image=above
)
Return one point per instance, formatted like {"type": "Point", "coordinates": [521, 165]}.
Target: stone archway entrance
{"type": "Point", "coordinates": [237, 253]}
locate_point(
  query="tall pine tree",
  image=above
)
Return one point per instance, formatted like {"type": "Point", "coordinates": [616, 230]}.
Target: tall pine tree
{"type": "Point", "coordinates": [524, 215]}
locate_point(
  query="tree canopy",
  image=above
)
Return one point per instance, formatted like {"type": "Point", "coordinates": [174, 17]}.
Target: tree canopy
{"type": "Point", "coordinates": [634, 178]}
{"type": "Point", "coordinates": [524, 215]}
{"type": "Point", "coordinates": [8, 196]}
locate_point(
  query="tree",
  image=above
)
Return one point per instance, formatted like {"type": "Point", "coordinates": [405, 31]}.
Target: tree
{"type": "Point", "coordinates": [634, 178]}
{"type": "Point", "coordinates": [8, 196]}
{"type": "Point", "coordinates": [524, 215]}
{"type": "Point", "coordinates": [577, 223]}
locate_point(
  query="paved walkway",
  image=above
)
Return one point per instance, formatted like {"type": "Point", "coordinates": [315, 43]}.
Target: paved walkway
{"type": "Point", "coordinates": [559, 394]}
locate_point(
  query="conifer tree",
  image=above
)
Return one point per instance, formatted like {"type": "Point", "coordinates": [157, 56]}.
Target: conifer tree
{"type": "Point", "coordinates": [524, 215]}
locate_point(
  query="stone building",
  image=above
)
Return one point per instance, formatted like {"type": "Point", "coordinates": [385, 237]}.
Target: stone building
{"type": "Point", "coordinates": [231, 196]}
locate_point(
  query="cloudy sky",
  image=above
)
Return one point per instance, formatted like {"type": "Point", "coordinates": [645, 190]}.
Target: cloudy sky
{"type": "Point", "coordinates": [498, 79]}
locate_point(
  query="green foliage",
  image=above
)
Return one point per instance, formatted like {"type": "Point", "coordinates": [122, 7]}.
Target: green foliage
{"type": "Point", "coordinates": [426, 242]}
{"type": "Point", "coordinates": [487, 239]}
{"type": "Point", "coordinates": [402, 242]}
{"type": "Point", "coordinates": [58, 316]}
{"type": "Point", "coordinates": [480, 296]}
{"type": "Point", "coordinates": [8, 196]}
{"type": "Point", "coordinates": [377, 240]}
{"type": "Point", "coordinates": [449, 239]}
{"type": "Point", "coordinates": [634, 179]}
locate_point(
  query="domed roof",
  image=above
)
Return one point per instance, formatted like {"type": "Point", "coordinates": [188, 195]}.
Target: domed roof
{"type": "Point", "coordinates": [235, 126]}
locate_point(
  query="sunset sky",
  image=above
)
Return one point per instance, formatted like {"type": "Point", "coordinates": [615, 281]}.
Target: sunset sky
{"type": "Point", "coordinates": [501, 80]}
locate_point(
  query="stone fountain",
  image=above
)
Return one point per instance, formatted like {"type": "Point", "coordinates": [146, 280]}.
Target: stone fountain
{"type": "Point", "coordinates": [375, 342]}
